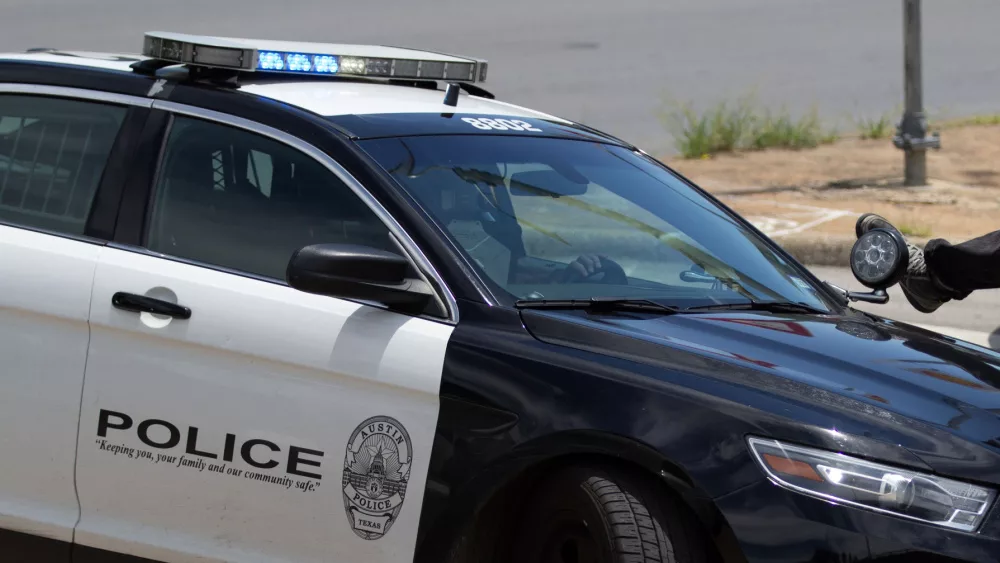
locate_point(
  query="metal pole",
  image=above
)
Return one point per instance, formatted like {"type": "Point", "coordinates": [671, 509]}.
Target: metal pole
{"type": "Point", "coordinates": [916, 161]}
{"type": "Point", "coordinates": [912, 131]}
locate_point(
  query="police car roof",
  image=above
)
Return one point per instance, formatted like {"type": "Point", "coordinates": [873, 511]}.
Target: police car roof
{"type": "Point", "coordinates": [329, 97]}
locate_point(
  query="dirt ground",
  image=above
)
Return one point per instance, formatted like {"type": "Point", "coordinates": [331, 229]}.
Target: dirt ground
{"type": "Point", "coordinates": [821, 191]}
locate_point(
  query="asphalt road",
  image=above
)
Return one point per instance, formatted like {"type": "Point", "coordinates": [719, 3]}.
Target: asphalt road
{"type": "Point", "coordinates": [607, 63]}
{"type": "Point", "coordinates": [975, 318]}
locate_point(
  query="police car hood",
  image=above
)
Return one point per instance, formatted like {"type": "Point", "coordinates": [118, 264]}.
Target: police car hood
{"type": "Point", "coordinates": [894, 367]}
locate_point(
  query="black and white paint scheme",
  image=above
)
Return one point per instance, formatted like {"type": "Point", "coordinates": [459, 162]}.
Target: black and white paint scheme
{"type": "Point", "coordinates": [376, 470]}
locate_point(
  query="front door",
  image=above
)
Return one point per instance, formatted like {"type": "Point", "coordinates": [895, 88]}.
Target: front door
{"type": "Point", "coordinates": [245, 420]}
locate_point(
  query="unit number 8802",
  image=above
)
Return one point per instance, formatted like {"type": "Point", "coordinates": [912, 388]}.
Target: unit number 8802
{"type": "Point", "coordinates": [488, 124]}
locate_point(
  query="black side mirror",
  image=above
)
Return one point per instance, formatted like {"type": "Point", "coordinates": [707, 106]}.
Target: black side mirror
{"type": "Point", "coordinates": [358, 272]}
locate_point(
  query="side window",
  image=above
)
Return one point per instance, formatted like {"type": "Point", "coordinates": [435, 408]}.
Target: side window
{"type": "Point", "coordinates": [231, 198]}
{"type": "Point", "coordinates": [52, 155]}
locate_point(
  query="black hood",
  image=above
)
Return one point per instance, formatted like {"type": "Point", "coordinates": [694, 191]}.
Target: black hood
{"type": "Point", "coordinates": [902, 373]}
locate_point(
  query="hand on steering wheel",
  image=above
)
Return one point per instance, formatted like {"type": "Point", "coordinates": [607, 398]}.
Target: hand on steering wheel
{"type": "Point", "coordinates": [594, 268]}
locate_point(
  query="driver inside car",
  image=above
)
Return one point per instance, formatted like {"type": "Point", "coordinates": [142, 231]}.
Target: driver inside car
{"type": "Point", "coordinates": [481, 218]}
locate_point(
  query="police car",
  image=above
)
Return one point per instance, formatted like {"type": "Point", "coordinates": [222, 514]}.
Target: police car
{"type": "Point", "coordinates": [275, 301]}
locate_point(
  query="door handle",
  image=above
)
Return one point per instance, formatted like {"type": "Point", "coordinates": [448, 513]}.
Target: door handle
{"type": "Point", "coordinates": [142, 304]}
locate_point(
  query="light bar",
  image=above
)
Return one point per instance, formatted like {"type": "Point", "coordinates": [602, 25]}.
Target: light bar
{"type": "Point", "coordinates": [250, 55]}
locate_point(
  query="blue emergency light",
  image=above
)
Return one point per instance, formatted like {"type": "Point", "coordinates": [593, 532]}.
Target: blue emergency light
{"type": "Point", "coordinates": [321, 59]}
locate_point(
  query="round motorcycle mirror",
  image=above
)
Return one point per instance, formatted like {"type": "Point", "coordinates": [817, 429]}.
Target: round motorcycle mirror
{"type": "Point", "coordinates": [879, 258]}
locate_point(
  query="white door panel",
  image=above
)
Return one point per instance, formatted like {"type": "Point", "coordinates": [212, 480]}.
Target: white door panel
{"type": "Point", "coordinates": [293, 373]}
{"type": "Point", "coordinates": [45, 284]}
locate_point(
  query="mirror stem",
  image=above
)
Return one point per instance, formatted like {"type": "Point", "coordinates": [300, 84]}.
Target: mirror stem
{"type": "Point", "coordinates": [878, 296]}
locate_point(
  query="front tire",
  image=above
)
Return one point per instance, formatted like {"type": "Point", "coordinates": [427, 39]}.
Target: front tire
{"type": "Point", "coordinates": [602, 515]}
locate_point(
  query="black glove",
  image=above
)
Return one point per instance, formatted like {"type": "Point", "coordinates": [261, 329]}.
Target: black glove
{"type": "Point", "coordinates": [593, 268]}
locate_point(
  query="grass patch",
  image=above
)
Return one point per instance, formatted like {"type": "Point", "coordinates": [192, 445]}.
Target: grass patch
{"type": "Point", "coordinates": [989, 119]}
{"type": "Point", "coordinates": [781, 130]}
{"type": "Point", "coordinates": [918, 230]}
{"type": "Point", "coordinates": [743, 125]}
{"type": "Point", "coordinates": [872, 128]}
{"type": "Point", "coordinates": [722, 128]}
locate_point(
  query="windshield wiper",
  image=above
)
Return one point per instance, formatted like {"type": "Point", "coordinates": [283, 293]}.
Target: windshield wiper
{"type": "Point", "coordinates": [770, 306]}
{"type": "Point", "coordinates": [598, 304]}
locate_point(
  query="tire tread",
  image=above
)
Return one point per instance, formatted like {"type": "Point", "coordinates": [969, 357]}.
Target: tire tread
{"type": "Point", "coordinates": [637, 519]}
{"type": "Point", "coordinates": [639, 536]}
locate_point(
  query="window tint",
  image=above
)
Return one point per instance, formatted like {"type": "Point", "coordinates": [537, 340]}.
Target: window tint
{"type": "Point", "coordinates": [52, 155]}
{"type": "Point", "coordinates": [238, 200]}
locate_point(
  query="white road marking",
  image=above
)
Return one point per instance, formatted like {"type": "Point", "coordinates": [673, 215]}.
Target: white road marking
{"type": "Point", "coordinates": [773, 224]}
{"type": "Point", "coordinates": [825, 215]}
{"type": "Point", "coordinates": [802, 218]}
{"type": "Point", "coordinates": [797, 219]}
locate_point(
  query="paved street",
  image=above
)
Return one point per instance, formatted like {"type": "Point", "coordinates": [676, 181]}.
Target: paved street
{"type": "Point", "coordinates": [609, 63]}
{"type": "Point", "coordinates": [975, 319]}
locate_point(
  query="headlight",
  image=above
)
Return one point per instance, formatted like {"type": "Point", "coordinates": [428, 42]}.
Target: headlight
{"type": "Point", "coordinates": [872, 486]}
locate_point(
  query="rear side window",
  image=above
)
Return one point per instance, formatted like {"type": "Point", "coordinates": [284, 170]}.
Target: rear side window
{"type": "Point", "coordinates": [52, 155]}
{"type": "Point", "coordinates": [231, 198]}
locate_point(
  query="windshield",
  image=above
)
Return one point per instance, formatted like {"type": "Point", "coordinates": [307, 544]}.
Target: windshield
{"type": "Point", "coordinates": [546, 218]}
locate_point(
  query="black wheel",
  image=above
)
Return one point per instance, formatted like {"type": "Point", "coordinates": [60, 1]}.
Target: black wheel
{"type": "Point", "coordinates": [602, 515]}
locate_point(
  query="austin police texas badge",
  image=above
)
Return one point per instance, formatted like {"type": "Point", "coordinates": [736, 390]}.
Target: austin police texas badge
{"type": "Point", "coordinates": [376, 470]}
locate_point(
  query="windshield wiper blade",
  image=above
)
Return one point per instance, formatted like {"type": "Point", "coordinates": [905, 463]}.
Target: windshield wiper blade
{"type": "Point", "coordinates": [598, 304]}
{"type": "Point", "coordinates": [770, 306]}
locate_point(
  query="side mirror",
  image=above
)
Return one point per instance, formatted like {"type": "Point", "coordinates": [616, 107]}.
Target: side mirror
{"type": "Point", "coordinates": [358, 272]}
{"type": "Point", "coordinates": [696, 274]}
{"type": "Point", "coordinates": [878, 260]}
